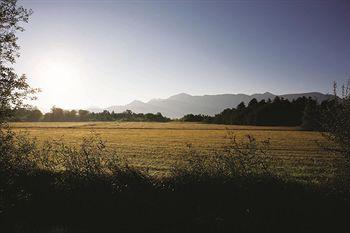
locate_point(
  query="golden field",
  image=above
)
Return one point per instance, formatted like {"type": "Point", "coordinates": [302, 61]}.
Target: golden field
{"type": "Point", "coordinates": [157, 146]}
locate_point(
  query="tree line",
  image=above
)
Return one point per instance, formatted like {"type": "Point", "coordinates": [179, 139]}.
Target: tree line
{"type": "Point", "coordinates": [303, 111]}
{"type": "Point", "coordinates": [61, 115]}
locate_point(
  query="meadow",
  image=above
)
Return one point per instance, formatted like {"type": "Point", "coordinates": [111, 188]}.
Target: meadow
{"type": "Point", "coordinates": [156, 147]}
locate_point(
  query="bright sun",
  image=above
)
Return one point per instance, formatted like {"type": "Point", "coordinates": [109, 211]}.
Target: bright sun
{"type": "Point", "coordinates": [60, 78]}
{"type": "Point", "coordinates": [58, 73]}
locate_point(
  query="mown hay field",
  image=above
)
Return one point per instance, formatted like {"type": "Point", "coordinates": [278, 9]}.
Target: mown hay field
{"type": "Point", "coordinates": [156, 147]}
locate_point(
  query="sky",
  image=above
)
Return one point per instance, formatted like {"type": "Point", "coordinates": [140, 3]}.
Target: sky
{"type": "Point", "coordinates": [101, 53]}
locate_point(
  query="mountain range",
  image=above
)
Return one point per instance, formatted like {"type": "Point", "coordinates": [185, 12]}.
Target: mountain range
{"type": "Point", "coordinates": [177, 106]}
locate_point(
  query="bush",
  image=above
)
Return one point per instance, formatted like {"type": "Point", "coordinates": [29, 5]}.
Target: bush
{"type": "Point", "coordinates": [89, 188]}
{"type": "Point", "coordinates": [335, 121]}
{"type": "Point", "coordinates": [248, 157]}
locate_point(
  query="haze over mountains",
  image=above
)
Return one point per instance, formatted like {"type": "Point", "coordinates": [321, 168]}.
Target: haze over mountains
{"type": "Point", "coordinates": [177, 106]}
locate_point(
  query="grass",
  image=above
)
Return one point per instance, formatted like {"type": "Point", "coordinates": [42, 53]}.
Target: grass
{"type": "Point", "coordinates": [218, 192]}
{"type": "Point", "coordinates": [157, 146]}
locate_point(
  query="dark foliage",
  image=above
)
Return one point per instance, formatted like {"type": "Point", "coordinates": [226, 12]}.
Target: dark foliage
{"type": "Point", "coordinates": [130, 202]}
{"type": "Point", "coordinates": [312, 116]}
{"type": "Point", "coordinates": [13, 88]}
{"type": "Point", "coordinates": [279, 112]}
{"type": "Point", "coordinates": [128, 116]}
{"type": "Point", "coordinates": [61, 115]}
{"type": "Point", "coordinates": [26, 115]}
{"type": "Point", "coordinates": [197, 118]}
{"type": "Point", "coordinates": [92, 193]}
{"type": "Point", "coordinates": [302, 111]}
{"type": "Point", "coordinates": [335, 119]}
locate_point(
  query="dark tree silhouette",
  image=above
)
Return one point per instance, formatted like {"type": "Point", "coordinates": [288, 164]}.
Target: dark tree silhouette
{"type": "Point", "coordinates": [252, 103]}
{"type": "Point", "coordinates": [311, 116]}
{"type": "Point", "coordinates": [27, 114]}
{"type": "Point", "coordinates": [14, 89]}
{"type": "Point", "coordinates": [336, 119]}
{"type": "Point", "coordinates": [305, 112]}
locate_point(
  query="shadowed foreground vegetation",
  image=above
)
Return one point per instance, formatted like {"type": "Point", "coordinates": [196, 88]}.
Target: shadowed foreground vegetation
{"type": "Point", "coordinates": [157, 146]}
{"type": "Point", "coordinates": [90, 189]}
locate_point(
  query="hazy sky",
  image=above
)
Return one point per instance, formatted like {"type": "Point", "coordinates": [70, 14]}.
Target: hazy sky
{"type": "Point", "coordinates": [102, 53]}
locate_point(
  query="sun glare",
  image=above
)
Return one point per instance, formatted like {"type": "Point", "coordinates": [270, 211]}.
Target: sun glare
{"type": "Point", "coordinates": [60, 75]}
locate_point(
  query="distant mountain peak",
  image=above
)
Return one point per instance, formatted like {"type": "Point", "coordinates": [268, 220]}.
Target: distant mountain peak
{"type": "Point", "coordinates": [180, 96]}
{"type": "Point", "coordinates": [137, 102]}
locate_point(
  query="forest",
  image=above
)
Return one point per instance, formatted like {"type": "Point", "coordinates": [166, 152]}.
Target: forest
{"type": "Point", "coordinates": [304, 112]}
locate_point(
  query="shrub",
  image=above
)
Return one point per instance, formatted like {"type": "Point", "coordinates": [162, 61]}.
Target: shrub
{"type": "Point", "coordinates": [248, 157]}
{"type": "Point", "coordinates": [89, 188]}
{"type": "Point", "coordinates": [336, 123]}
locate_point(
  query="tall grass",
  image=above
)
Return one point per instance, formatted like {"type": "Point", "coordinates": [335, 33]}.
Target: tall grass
{"type": "Point", "coordinates": [57, 187]}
